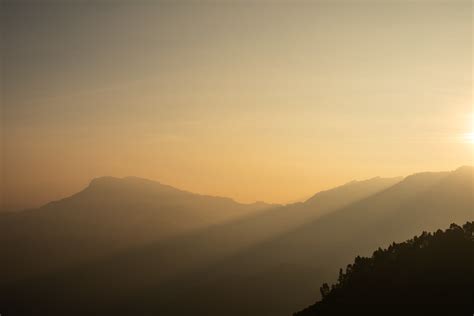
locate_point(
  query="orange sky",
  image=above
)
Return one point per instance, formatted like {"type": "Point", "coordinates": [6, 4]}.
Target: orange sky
{"type": "Point", "coordinates": [258, 101]}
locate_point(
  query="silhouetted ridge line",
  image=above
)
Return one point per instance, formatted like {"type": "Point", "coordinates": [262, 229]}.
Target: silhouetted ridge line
{"type": "Point", "coordinates": [110, 215]}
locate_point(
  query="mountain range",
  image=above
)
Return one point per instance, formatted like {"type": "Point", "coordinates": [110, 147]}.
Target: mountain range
{"type": "Point", "coordinates": [134, 246]}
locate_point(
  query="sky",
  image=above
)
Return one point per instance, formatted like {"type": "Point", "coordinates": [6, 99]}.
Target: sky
{"type": "Point", "coordinates": [257, 100]}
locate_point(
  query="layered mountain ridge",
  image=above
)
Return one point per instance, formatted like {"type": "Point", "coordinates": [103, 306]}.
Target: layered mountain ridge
{"type": "Point", "coordinates": [255, 261]}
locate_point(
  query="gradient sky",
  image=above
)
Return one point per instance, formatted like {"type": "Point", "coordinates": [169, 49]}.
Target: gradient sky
{"type": "Point", "coordinates": [260, 100]}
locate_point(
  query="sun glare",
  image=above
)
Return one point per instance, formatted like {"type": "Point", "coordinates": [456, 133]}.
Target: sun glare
{"type": "Point", "coordinates": [470, 137]}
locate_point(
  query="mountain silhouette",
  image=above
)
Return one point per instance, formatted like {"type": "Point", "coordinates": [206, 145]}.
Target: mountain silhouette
{"type": "Point", "coordinates": [109, 215]}
{"type": "Point", "coordinates": [430, 274]}
{"type": "Point", "coordinates": [266, 263]}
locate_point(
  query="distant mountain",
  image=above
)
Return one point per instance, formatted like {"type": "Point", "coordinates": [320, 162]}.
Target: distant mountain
{"type": "Point", "coordinates": [431, 274]}
{"type": "Point", "coordinates": [267, 263]}
{"type": "Point", "coordinates": [110, 215]}
{"type": "Point", "coordinates": [258, 227]}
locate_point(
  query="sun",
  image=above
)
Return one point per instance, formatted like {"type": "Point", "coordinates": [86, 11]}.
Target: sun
{"type": "Point", "coordinates": [470, 137]}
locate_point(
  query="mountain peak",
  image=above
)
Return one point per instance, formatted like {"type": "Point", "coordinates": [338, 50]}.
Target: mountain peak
{"type": "Point", "coordinates": [129, 179]}
{"type": "Point", "coordinates": [463, 169]}
{"type": "Point", "coordinates": [103, 180]}
{"type": "Point", "coordinates": [357, 189]}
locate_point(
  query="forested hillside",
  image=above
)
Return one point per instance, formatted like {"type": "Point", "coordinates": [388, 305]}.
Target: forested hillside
{"type": "Point", "coordinates": [429, 274]}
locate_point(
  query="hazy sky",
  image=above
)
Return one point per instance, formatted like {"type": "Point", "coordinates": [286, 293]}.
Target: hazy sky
{"type": "Point", "coordinates": [259, 100]}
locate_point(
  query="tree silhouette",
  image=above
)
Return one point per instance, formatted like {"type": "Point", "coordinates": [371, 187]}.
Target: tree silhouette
{"type": "Point", "coordinates": [430, 274]}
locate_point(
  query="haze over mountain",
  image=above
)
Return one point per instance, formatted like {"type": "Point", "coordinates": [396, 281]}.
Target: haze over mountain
{"type": "Point", "coordinates": [111, 214]}
{"type": "Point", "coordinates": [266, 263]}
{"type": "Point", "coordinates": [254, 100]}
{"type": "Point", "coordinates": [241, 102]}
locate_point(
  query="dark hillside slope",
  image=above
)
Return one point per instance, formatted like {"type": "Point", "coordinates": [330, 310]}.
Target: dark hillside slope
{"type": "Point", "coordinates": [431, 274]}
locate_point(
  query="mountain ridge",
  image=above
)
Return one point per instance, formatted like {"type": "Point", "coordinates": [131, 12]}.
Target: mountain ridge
{"type": "Point", "coordinates": [291, 247]}
{"type": "Point", "coordinates": [110, 182]}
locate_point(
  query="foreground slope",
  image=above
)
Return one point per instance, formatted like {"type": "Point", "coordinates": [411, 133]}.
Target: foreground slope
{"type": "Point", "coordinates": [427, 275]}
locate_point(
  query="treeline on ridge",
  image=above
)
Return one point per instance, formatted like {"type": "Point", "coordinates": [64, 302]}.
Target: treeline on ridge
{"type": "Point", "coordinates": [429, 274]}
